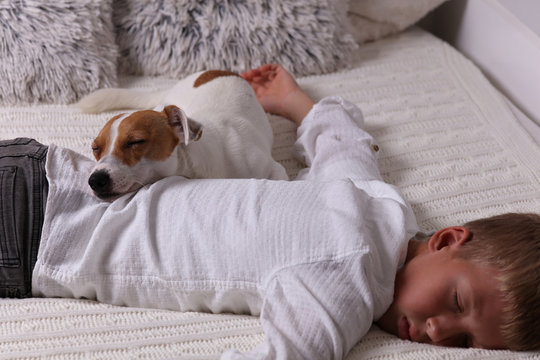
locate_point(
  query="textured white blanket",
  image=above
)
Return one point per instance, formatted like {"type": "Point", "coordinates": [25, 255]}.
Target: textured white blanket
{"type": "Point", "coordinates": [447, 139]}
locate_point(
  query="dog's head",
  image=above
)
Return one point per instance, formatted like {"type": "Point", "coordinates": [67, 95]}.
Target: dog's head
{"type": "Point", "coordinates": [139, 148]}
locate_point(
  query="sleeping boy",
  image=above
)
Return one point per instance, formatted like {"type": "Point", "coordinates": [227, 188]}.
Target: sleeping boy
{"type": "Point", "coordinates": [315, 258]}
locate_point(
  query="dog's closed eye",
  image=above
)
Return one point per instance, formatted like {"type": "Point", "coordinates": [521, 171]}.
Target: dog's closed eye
{"type": "Point", "coordinates": [134, 142]}
{"type": "Point", "coordinates": [96, 149]}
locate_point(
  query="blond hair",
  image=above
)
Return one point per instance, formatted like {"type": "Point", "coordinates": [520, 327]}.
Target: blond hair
{"type": "Point", "coordinates": [511, 244]}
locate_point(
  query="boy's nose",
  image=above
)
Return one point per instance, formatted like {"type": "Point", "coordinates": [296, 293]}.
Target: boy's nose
{"type": "Point", "coordinates": [445, 330]}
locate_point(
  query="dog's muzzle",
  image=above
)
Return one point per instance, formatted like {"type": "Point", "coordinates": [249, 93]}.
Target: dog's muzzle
{"type": "Point", "coordinates": [100, 181]}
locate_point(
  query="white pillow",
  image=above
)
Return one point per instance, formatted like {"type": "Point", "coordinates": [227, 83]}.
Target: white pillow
{"type": "Point", "coordinates": [373, 19]}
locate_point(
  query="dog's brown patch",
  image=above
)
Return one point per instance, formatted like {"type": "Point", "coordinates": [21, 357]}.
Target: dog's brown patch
{"type": "Point", "coordinates": [211, 75]}
{"type": "Point", "coordinates": [102, 141]}
{"type": "Point", "coordinates": [144, 134]}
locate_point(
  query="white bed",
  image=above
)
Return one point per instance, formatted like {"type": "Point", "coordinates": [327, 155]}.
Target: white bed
{"type": "Point", "coordinates": [448, 139]}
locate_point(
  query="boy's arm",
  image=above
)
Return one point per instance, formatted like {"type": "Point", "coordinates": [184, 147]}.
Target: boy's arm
{"type": "Point", "coordinates": [278, 93]}
{"type": "Point", "coordinates": [330, 139]}
{"type": "Point", "coordinates": [333, 144]}
{"type": "Point", "coordinates": [316, 311]}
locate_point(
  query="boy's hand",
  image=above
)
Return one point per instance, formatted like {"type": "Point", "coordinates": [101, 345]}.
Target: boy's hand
{"type": "Point", "coordinates": [278, 92]}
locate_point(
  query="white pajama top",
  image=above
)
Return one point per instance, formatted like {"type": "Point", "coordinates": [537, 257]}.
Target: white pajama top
{"type": "Point", "coordinates": [316, 257]}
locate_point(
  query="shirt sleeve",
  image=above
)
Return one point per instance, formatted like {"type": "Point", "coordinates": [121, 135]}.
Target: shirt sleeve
{"type": "Point", "coordinates": [333, 145]}
{"type": "Point", "coordinates": [315, 311]}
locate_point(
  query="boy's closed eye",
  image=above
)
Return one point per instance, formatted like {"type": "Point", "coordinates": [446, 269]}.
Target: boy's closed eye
{"type": "Point", "coordinates": [459, 309]}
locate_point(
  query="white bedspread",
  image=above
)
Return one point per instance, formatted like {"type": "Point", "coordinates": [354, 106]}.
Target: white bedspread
{"type": "Point", "coordinates": [447, 139]}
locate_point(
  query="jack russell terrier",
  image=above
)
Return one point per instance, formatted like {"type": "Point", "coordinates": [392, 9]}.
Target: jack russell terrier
{"type": "Point", "coordinates": [214, 128]}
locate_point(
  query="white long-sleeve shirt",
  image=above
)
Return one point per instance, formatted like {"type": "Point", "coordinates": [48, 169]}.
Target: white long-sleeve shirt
{"type": "Point", "coordinates": [316, 257]}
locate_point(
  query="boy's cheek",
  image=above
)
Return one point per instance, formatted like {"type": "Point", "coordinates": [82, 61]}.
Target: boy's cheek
{"type": "Point", "coordinates": [389, 320]}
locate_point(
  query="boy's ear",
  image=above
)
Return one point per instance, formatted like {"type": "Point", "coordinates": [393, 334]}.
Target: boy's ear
{"type": "Point", "coordinates": [454, 236]}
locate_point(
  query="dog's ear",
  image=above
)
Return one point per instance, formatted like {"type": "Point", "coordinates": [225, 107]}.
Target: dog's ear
{"type": "Point", "coordinates": [189, 129]}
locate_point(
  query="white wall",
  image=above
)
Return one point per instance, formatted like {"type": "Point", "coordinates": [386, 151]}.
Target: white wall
{"type": "Point", "coordinates": [528, 11]}
{"type": "Point", "coordinates": [499, 42]}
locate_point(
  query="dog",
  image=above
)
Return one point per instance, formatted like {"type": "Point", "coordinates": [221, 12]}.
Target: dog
{"type": "Point", "coordinates": [212, 126]}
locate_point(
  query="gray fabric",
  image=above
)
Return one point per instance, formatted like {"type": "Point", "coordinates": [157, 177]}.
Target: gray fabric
{"type": "Point", "coordinates": [179, 37]}
{"type": "Point", "coordinates": [55, 51]}
{"type": "Point", "coordinates": [23, 193]}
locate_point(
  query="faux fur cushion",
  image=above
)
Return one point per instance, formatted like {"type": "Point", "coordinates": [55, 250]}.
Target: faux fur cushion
{"type": "Point", "coordinates": [179, 37]}
{"type": "Point", "coordinates": [373, 19]}
{"type": "Point", "coordinates": [55, 51]}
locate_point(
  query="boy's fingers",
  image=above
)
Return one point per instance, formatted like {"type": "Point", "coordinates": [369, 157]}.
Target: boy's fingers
{"type": "Point", "coordinates": [267, 67]}
{"type": "Point", "coordinates": [259, 79]}
{"type": "Point", "coordinates": [261, 69]}
{"type": "Point", "coordinates": [248, 74]}
{"type": "Point", "coordinates": [262, 77]}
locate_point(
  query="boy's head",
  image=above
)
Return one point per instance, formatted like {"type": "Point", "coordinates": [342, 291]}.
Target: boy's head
{"type": "Point", "coordinates": [475, 285]}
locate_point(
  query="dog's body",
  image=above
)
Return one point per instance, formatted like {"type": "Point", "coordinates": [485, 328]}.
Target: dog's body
{"type": "Point", "coordinates": [141, 147]}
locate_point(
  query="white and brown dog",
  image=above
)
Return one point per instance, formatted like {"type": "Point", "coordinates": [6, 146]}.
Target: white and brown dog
{"type": "Point", "coordinates": [212, 126]}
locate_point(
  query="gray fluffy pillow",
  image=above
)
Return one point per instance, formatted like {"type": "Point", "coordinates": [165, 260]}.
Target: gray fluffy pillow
{"type": "Point", "coordinates": [178, 37]}
{"type": "Point", "coordinates": [55, 51]}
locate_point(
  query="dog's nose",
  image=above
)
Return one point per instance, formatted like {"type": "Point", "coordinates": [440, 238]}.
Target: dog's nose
{"type": "Point", "coordinates": [100, 181]}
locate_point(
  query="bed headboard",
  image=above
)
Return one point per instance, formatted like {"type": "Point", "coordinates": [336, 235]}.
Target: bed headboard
{"type": "Point", "coordinates": [502, 38]}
